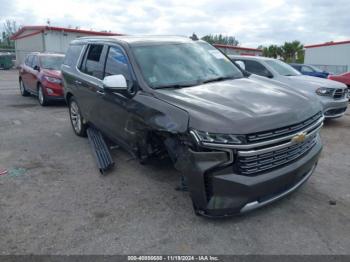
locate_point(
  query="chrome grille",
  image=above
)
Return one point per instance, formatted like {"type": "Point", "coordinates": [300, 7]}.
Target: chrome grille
{"type": "Point", "coordinates": [261, 136]}
{"type": "Point", "coordinates": [339, 93]}
{"type": "Point", "coordinates": [253, 164]}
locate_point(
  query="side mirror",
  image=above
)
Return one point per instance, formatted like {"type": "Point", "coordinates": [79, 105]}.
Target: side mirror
{"type": "Point", "coordinates": [115, 83]}
{"type": "Point", "coordinates": [241, 64]}
{"type": "Point", "coordinates": [37, 68]}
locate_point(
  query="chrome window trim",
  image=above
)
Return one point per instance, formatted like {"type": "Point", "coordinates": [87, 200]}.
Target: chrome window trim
{"type": "Point", "coordinates": [316, 125]}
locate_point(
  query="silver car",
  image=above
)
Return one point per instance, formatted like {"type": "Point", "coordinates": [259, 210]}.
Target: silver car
{"type": "Point", "coordinates": [332, 94]}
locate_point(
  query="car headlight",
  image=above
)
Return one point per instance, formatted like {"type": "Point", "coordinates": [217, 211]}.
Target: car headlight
{"type": "Point", "coordinates": [324, 91]}
{"type": "Point", "coordinates": [53, 79]}
{"type": "Point", "coordinates": [217, 138]}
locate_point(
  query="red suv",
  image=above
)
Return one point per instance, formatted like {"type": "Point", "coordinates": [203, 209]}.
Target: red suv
{"type": "Point", "coordinates": [40, 75]}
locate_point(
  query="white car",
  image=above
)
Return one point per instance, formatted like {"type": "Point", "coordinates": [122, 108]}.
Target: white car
{"type": "Point", "coordinates": [332, 94]}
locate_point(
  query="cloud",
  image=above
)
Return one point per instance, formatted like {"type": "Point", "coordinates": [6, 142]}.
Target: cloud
{"type": "Point", "coordinates": [252, 22]}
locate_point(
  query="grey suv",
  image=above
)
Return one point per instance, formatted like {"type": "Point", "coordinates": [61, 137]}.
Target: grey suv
{"type": "Point", "coordinates": [239, 142]}
{"type": "Point", "coordinates": [332, 94]}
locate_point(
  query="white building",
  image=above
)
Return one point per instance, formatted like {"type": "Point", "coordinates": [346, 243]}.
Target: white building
{"type": "Point", "coordinates": [46, 39]}
{"type": "Point", "coordinates": [333, 57]}
{"type": "Point", "coordinates": [238, 50]}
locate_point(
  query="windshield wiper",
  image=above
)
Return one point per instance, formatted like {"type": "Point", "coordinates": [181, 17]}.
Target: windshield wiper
{"type": "Point", "coordinates": [217, 79]}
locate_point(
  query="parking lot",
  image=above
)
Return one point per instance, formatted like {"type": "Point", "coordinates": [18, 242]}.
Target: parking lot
{"type": "Point", "coordinates": [54, 201]}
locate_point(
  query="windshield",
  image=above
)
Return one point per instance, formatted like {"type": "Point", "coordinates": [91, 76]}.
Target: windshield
{"type": "Point", "coordinates": [282, 68]}
{"type": "Point", "coordinates": [183, 64]}
{"type": "Point", "coordinates": [51, 62]}
{"type": "Point", "coordinates": [316, 69]}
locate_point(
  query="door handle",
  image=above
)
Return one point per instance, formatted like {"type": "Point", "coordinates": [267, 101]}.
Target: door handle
{"type": "Point", "coordinates": [77, 82]}
{"type": "Point", "coordinates": [100, 92]}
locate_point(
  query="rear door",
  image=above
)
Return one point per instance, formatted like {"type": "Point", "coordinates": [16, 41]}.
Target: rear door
{"type": "Point", "coordinates": [32, 74]}
{"type": "Point", "coordinates": [88, 84]}
{"type": "Point", "coordinates": [24, 72]}
{"type": "Point", "coordinates": [112, 108]}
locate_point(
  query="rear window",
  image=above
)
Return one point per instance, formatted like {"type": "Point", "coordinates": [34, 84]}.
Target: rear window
{"type": "Point", "coordinates": [72, 55]}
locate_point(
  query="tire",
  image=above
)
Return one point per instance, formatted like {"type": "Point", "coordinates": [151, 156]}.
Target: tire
{"type": "Point", "coordinates": [43, 101]}
{"type": "Point", "coordinates": [76, 118]}
{"type": "Point", "coordinates": [22, 88]}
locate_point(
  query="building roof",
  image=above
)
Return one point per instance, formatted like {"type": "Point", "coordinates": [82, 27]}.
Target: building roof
{"type": "Point", "coordinates": [39, 29]}
{"type": "Point", "coordinates": [328, 44]}
{"type": "Point", "coordinates": [237, 47]}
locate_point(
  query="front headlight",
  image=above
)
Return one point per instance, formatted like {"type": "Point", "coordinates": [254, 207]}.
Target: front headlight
{"type": "Point", "coordinates": [217, 138]}
{"type": "Point", "coordinates": [324, 91]}
{"type": "Point", "coordinates": [53, 79]}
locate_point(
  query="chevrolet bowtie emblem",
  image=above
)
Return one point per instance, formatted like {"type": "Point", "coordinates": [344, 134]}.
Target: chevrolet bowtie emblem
{"type": "Point", "coordinates": [299, 138]}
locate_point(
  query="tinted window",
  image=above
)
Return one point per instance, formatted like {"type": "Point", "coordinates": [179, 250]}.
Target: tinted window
{"type": "Point", "coordinates": [117, 63]}
{"type": "Point", "coordinates": [255, 68]}
{"type": "Point", "coordinates": [93, 62]}
{"type": "Point", "coordinates": [297, 67]}
{"type": "Point", "coordinates": [72, 55]}
{"type": "Point", "coordinates": [94, 53]}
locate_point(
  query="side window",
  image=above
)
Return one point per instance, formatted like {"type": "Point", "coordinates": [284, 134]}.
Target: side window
{"type": "Point", "coordinates": [35, 61]}
{"type": "Point", "coordinates": [306, 69]}
{"type": "Point", "coordinates": [93, 62]}
{"type": "Point", "coordinates": [256, 68]}
{"type": "Point", "coordinates": [72, 55]}
{"type": "Point", "coordinates": [297, 67]}
{"type": "Point", "coordinates": [117, 63]}
{"type": "Point", "coordinates": [29, 60]}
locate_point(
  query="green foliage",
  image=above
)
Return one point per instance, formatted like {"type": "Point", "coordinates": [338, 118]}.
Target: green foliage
{"type": "Point", "coordinates": [220, 39]}
{"type": "Point", "coordinates": [10, 27]}
{"type": "Point", "coordinates": [290, 52]}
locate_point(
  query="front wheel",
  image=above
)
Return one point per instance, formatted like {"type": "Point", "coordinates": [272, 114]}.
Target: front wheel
{"type": "Point", "coordinates": [76, 118]}
{"type": "Point", "coordinates": [43, 101]}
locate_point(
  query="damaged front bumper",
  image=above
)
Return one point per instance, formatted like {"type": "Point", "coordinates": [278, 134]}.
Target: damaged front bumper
{"type": "Point", "coordinates": [218, 190]}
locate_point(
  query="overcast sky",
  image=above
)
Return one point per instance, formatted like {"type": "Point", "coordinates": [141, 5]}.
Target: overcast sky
{"type": "Point", "coordinates": [252, 22]}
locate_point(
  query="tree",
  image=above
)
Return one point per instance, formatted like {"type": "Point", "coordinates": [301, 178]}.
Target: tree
{"type": "Point", "coordinates": [10, 27]}
{"type": "Point", "coordinates": [272, 51]}
{"type": "Point", "coordinates": [220, 39]}
{"type": "Point", "coordinates": [289, 51]}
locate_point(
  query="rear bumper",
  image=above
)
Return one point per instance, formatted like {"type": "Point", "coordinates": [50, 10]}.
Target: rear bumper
{"type": "Point", "coordinates": [221, 192]}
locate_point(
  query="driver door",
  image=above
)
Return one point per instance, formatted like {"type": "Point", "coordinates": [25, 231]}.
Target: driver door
{"type": "Point", "coordinates": [112, 107]}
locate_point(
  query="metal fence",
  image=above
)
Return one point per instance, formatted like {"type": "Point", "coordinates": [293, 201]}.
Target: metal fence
{"type": "Point", "coordinates": [334, 69]}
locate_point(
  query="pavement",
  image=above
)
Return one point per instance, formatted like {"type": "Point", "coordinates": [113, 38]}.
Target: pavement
{"type": "Point", "coordinates": [54, 201]}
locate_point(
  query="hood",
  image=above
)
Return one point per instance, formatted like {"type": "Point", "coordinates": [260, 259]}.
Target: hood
{"type": "Point", "coordinates": [52, 73]}
{"type": "Point", "coordinates": [241, 106]}
{"type": "Point", "coordinates": [314, 82]}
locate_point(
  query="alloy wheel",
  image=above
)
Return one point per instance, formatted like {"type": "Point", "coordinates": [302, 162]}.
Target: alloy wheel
{"type": "Point", "coordinates": [75, 116]}
{"type": "Point", "coordinates": [41, 96]}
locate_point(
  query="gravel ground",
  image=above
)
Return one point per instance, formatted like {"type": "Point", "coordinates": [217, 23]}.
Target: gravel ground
{"type": "Point", "coordinates": [54, 201]}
